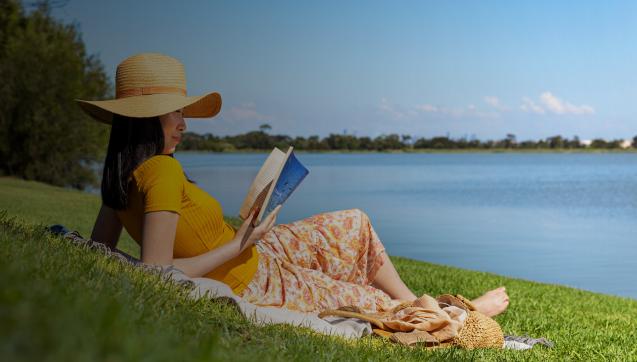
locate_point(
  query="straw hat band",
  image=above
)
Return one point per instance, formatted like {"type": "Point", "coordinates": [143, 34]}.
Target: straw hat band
{"type": "Point", "coordinates": [140, 91]}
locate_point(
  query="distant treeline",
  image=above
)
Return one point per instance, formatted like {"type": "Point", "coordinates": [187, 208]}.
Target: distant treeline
{"type": "Point", "coordinates": [261, 140]}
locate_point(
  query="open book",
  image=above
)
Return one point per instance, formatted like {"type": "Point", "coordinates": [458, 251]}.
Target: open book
{"type": "Point", "coordinates": [279, 176]}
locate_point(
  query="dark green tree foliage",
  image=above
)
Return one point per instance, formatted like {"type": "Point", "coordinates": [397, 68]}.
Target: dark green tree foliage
{"type": "Point", "coordinates": [44, 135]}
{"type": "Point", "coordinates": [265, 127]}
{"type": "Point", "coordinates": [388, 142]}
{"type": "Point", "coordinates": [342, 142]}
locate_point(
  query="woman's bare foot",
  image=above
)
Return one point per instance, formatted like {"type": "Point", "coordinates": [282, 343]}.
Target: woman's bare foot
{"type": "Point", "coordinates": [492, 302]}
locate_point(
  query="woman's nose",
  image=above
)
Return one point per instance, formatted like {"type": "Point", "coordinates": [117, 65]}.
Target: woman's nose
{"type": "Point", "coordinates": [182, 124]}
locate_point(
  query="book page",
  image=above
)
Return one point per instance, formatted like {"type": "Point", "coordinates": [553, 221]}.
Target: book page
{"type": "Point", "coordinates": [262, 181]}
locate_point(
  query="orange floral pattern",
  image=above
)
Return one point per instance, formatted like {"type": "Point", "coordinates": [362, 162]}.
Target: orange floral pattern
{"type": "Point", "coordinates": [323, 262]}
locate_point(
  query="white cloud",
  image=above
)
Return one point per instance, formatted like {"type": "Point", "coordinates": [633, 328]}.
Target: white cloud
{"type": "Point", "coordinates": [544, 104]}
{"type": "Point", "coordinates": [426, 108]}
{"type": "Point", "coordinates": [245, 112]}
{"type": "Point", "coordinates": [529, 106]}
{"type": "Point", "coordinates": [398, 112]}
{"type": "Point", "coordinates": [495, 102]}
{"type": "Point", "coordinates": [457, 112]}
{"type": "Point", "coordinates": [548, 102]}
{"type": "Point", "coordinates": [492, 101]}
{"type": "Point", "coordinates": [558, 106]}
{"type": "Point", "coordinates": [387, 107]}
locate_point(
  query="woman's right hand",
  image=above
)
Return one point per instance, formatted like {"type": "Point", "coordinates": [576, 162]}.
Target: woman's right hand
{"type": "Point", "coordinates": [259, 231]}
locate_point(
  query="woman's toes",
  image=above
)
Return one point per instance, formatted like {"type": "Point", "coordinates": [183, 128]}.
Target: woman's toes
{"type": "Point", "coordinates": [492, 302]}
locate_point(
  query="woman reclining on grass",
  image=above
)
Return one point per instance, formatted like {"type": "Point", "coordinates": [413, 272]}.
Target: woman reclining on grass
{"type": "Point", "coordinates": [323, 262]}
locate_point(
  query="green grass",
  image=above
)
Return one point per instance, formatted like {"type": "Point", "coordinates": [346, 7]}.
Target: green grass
{"type": "Point", "coordinates": [61, 302]}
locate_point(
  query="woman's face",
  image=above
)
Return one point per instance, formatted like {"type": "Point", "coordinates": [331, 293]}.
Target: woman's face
{"type": "Point", "coordinates": [173, 125]}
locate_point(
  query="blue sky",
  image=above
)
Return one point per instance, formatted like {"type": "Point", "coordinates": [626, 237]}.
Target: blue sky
{"type": "Point", "coordinates": [424, 68]}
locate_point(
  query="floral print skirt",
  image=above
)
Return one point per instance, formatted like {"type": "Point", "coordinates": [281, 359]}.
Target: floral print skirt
{"type": "Point", "coordinates": [322, 262]}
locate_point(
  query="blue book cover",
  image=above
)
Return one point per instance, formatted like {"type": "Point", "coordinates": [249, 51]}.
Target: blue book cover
{"type": "Point", "coordinates": [290, 177]}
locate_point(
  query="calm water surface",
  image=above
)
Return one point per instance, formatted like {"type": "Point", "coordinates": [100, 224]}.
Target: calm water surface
{"type": "Point", "coordinates": [557, 218]}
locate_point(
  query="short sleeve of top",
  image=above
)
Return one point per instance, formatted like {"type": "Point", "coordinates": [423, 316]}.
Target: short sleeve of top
{"type": "Point", "coordinates": [161, 180]}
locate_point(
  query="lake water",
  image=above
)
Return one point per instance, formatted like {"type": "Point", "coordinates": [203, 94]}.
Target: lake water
{"type": "Point", "coordinates": [558, 218]}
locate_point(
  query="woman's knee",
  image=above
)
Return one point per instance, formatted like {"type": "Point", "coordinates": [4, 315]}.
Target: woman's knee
{"type": "Point", "coordinates": [359, 212]}
{"type": "Point", "coordinates": [345, 213]}
{"type": "Point", "coordinates": [363, 216]}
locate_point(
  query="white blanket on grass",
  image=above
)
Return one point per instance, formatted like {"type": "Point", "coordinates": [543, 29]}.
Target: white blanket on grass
{"type": "Point", "coordinates": [210, 288]}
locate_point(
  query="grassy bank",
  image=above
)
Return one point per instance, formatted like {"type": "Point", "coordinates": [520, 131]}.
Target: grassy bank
{"type": "Point", "coordinates": [60, 302]}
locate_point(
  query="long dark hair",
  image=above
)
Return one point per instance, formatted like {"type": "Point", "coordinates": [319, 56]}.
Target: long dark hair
{"type": "Point", "coordinates": [132, 141]}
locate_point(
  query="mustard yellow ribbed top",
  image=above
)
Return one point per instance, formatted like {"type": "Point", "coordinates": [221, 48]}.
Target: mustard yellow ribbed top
{"type": "Point", "coordinates": [159, 184]}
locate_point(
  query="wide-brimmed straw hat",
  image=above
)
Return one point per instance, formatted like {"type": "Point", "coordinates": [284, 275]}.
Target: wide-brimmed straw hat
{"type": "Point", "coordinates": [150, 85]}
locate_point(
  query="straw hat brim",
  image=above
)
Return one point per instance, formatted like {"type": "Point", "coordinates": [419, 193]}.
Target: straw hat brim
{"type": "Point", "coordinates": [153, 105]}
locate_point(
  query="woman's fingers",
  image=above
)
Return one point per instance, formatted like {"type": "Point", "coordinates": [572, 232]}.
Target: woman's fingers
{"type": "Point", "coordinates": [269, 221]}
{"type": "Point", "coordinates": [253, 213]}
{"type": "Point", "coordinates": [274, 213]}
{"type": "Point", "coordinates": [269, 226]}
{"type": "Point", "coordinates": [265, 226]}
{"type": "Point", "coordinates": [272, 217]}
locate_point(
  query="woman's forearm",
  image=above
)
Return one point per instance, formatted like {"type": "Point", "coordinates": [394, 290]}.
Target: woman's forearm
{"type": "Point", "coordinates": [203, 264]}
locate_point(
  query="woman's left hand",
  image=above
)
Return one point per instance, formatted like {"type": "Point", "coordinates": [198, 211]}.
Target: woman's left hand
{"type": "Point", "coordinates": [258, 232]}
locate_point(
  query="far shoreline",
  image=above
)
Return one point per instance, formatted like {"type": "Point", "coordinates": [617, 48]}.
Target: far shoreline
{"type": "Point", "coordinates": [431, 151]}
